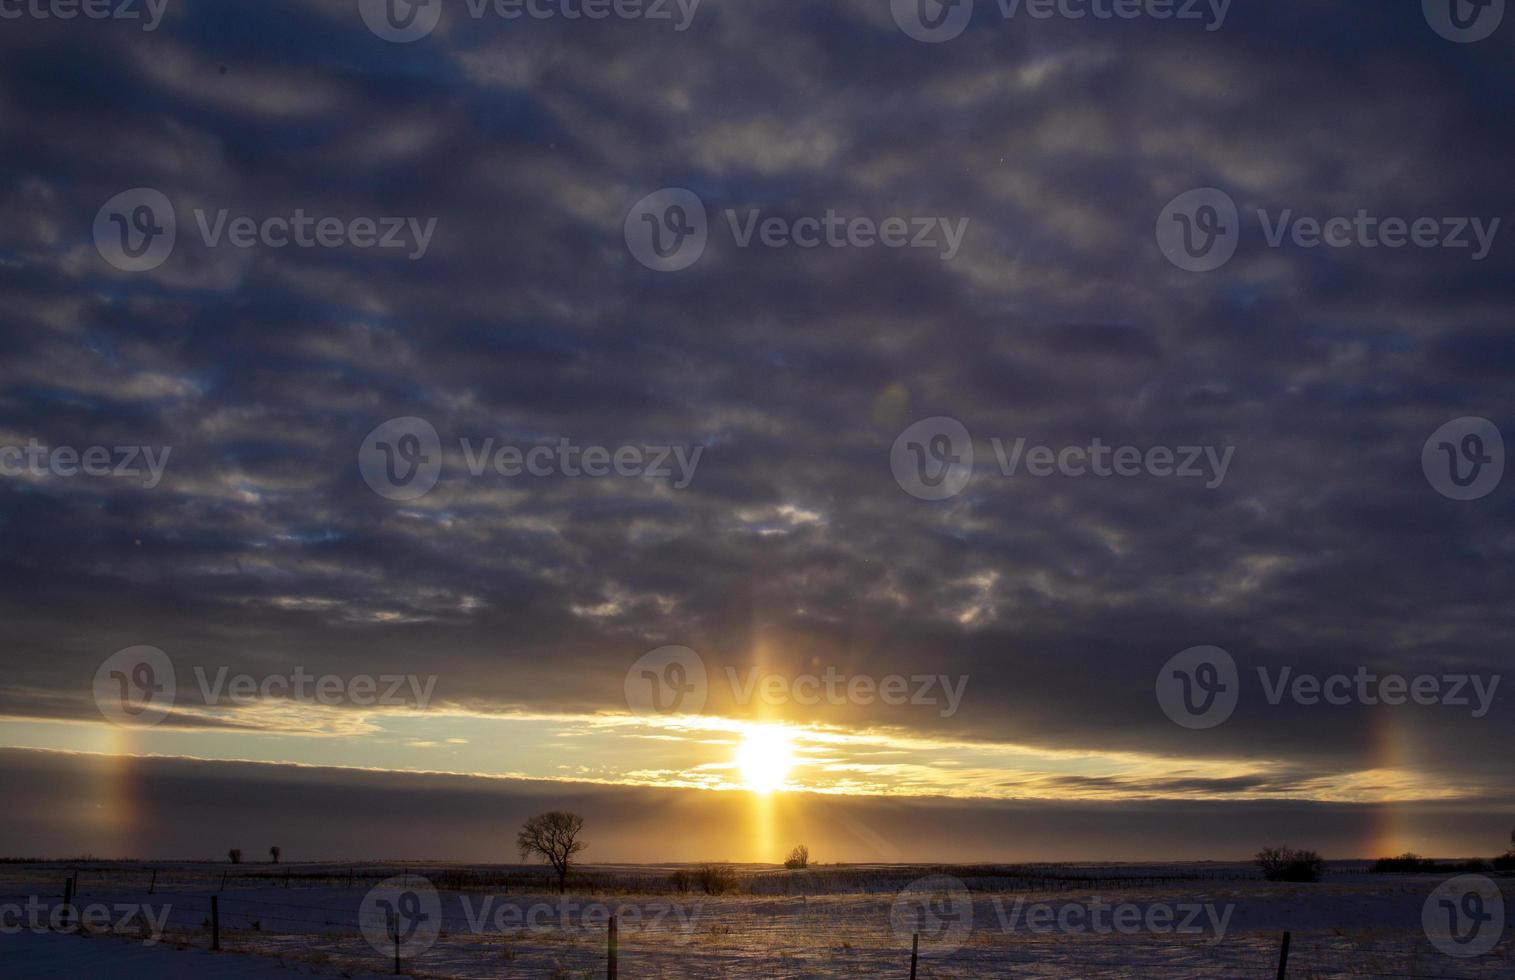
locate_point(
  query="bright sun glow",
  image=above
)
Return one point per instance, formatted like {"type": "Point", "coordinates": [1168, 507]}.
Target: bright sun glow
{"type": "Point", "coordinates": [765, 758]}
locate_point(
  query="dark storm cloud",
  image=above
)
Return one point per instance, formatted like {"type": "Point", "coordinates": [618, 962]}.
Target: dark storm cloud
{"type": "Point", "coordinates": [528, 321]}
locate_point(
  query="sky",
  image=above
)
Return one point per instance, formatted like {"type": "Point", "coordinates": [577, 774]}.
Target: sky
{"type": "Point", "coordinates": [698, 421]}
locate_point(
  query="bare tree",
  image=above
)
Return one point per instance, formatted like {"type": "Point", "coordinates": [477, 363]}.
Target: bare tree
{"type": "Point", "coordinates": [554, 837]}
{"type": "Point", "coordinates": [235, 854]}
{"type": "Point", "coordinates": [274, 853]}
{"type": "Point", "coordinates": [1288, 864]}
{"type": "Point", "coordinates": [798, 859]}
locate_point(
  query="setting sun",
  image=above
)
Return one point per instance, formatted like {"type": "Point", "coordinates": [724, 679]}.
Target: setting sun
{"type": "Point", "coordinates": [765, 758]}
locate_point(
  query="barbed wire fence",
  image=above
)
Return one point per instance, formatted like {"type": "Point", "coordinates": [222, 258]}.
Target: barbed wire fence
{"type": "Point", "coordinates": [318, 922]}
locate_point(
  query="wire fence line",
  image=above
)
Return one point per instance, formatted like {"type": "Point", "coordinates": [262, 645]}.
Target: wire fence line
{"type": "Point", "coordinates": [320, 921]}
{"type": "Point", "coordinates": [738, 944]}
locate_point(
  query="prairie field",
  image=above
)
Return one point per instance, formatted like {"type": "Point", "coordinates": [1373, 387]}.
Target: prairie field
{"type": "Point", "coordinates": [1120, 920]}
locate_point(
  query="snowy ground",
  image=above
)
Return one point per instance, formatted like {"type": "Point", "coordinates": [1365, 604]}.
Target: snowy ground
{"type": "Point", "coordinates": [42, 956]}
{"type": "Point", "coordinates": [823, 923]}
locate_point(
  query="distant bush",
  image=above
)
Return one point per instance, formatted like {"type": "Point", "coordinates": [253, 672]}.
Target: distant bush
{"type": "Point", "coordinates": [235, 854]}
{"type": "Point", "coordinates": [1505, 862]}
{"type": "Point", "coordinates": [1287, 864]}
{"type": "Point", "coordinates": [1410, 863]}
{"type": "Point", "coordinates": [798, 859]}
{"type": "Point", "coordinates": [1406, 862]}
{"type": "Point", "coordinates": [716, 879]}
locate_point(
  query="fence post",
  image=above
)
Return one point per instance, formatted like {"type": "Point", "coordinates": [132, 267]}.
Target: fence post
{"type": "Point", "coordinates": [1283, 959]}
{"type": "Point", "coordinates": [349, 877]}
{"type": "Point", "coordinates": [915, 954]}
{"type": "Point", "coordinates": [68, 901]}
{"type": "Point", "coordinates": [215, 924]}
{"type": "Point", "coordinates": [611, 966]}
{"type": "Point", "coordinates": [223, 881]}
{"type": "Point", "coordinates": [394, 918]}
{"type": "Point", "coordinates": [153, 886]}
{"type": "Point", "coordinates": [287, 873]}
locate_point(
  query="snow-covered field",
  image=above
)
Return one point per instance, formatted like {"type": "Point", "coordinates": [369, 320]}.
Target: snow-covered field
{"type": "Point", "coordinates": [1207, 920]}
